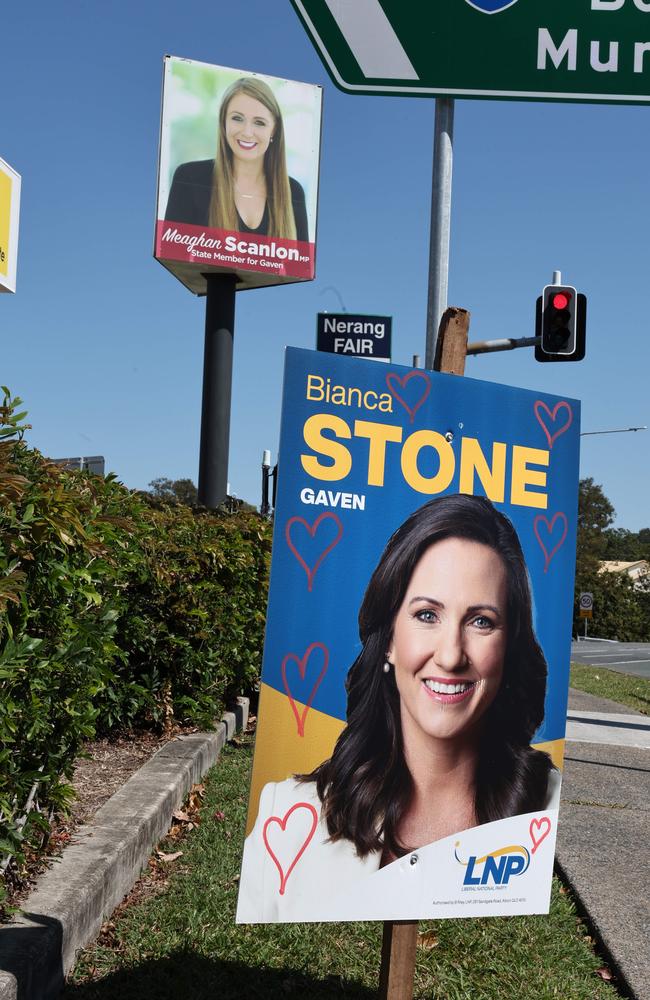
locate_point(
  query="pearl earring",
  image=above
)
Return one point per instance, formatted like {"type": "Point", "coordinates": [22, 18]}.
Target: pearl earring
{"type": "Point", "coordinates": [386, 667]}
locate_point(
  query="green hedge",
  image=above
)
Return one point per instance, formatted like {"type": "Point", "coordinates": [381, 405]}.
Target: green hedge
{"type": "Point", "coordinates": [115, 611]}
{"type": "Point", "coordinates": [192, 638]}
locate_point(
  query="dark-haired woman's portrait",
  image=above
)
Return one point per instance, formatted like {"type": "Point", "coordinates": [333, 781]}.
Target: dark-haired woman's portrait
{"type": "Point", "coordinates": [443, 701]}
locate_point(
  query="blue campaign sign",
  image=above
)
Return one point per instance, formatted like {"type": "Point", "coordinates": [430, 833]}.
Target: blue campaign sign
{"type": "Point", "coordinates": [457, 631]}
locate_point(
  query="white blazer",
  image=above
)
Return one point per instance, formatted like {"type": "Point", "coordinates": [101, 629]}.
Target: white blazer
{"type": "Point", "coordinates": [291, 871]}
{"type": "Point", "coordinates": [262, 896]}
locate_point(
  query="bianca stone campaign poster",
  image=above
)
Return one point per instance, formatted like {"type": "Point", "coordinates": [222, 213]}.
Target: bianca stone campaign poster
{"type": "Point", "coordinates": [237, 175]}
{"type": "Point", "coordinates": [412, 711]}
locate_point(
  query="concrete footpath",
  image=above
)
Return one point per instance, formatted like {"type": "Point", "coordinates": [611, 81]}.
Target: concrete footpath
{"type": "Point", "coordinates": [601, 849]}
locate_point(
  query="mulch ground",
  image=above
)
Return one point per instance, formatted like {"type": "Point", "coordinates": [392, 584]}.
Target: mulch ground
{"type": "Point", "coordinates": [107, 765]}
{"type": "Point", "coordinates": [102, 768]}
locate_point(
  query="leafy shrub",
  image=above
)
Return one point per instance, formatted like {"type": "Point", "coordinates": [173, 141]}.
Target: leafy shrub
{"type": "Point", "coordinates": [63, 540]}
{"type": "Point", "coordinates": [115, 609]}
{"type": "Point", "coordinates": [192, 638]}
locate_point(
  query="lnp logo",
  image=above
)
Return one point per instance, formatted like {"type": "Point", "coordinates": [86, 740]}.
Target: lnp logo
{"type": "Point", "coordinates": [497, 867]}
{"type": "Point", "coordinates": [491, 6]}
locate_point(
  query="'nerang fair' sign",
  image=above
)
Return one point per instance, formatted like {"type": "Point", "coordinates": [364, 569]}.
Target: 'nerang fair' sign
{"type": "Point", "coordinates": [574, 50]}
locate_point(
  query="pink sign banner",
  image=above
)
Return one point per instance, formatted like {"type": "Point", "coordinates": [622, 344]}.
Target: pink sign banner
{"type": "Point", "coordinates": [226, 248]}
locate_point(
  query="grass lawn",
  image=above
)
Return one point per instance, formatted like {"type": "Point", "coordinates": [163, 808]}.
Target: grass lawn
{"type": "Point", "coordinates": [623, 688]}
{"type": "Point", "coordinates": [183, 942]}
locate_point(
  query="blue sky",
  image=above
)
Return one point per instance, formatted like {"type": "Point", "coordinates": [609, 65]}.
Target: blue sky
{"type": "Point", "coordinates": [106, 347]}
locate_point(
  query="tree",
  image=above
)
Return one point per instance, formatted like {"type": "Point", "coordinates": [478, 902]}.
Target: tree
{"type": "Point", "coordinates": [184, 491]}
{"type": "Point", "coordinates": [642, 544]}
{"type": "Point", "coordinates": [620, 544]}
{"type": "Point", "coordinates": [627, 545]}
{"type": "Point", "coordinates": [595, 514]}
{"type": "Point", "coordinates": [621, 610]}
{"type": "Point", "coordinates": [174, 490]}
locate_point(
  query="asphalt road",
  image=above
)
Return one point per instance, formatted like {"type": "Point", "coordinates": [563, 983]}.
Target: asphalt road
{"type": "Point", "coordinates": [626, 657]}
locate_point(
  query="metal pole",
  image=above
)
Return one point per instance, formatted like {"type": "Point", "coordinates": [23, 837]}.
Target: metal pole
{"type": "Point", "coordinates": [274, 494]}
{"type": "Point", "coordinates": [217, 389]}
{"type": "Point", "coordinates": [505, 344]}
{"type": "Point", "coordinates": [440, 222]}
{"type": "Point", "coordinates": [265, 507]}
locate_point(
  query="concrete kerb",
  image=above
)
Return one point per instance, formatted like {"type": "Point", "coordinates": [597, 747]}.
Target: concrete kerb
{"type": "Point", "coordinates": [73, 898]}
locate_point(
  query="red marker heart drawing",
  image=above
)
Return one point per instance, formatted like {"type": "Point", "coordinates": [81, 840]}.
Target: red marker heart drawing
{"type": "Point", "coordinates": [552, 414]}
{"type": "Point", "coordinates": [392, 378]}
{"type": "Point", "coordinates": [302, 667]}
{"type": "Point", "coordinates": [307, 810]}
{"type": "Point", "coordinates": [312, 529]}
{"type": "Point", "coordinates": [549, 526]}
{"type": "Point", "coordinates": [539, 830]}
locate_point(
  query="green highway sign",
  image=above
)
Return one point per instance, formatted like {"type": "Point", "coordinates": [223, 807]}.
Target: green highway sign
{"type": "Point", "coordinates": [552, 50]}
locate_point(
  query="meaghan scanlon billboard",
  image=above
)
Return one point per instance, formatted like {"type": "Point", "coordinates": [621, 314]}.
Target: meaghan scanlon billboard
{"type": "Point", "coordinates": [237, 175]}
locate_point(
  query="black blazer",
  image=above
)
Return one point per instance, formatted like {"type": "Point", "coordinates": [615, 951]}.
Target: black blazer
{"type": "Point", "coordinates": [189, 200]}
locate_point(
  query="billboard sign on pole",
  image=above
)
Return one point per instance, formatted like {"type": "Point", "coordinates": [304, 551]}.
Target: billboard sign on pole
{"type": "Point", "coordinates": [549, 50]}
{"type": "Point", "coordinates": [9, 218]}
{"type": "Point", "coordinates": [356, 336]}
{"type": "Point", "coordinates": [237, 175]}
{"type": "Point", "coordinates": [417, 648]}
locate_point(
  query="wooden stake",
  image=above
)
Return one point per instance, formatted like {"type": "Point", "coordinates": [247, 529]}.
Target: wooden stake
{"type": "Point", "coordinates": [398, 960]}
{"type": "Point", "coordinates": [452, 341]}
{"type": "Point", "coordinates": [401, 936]}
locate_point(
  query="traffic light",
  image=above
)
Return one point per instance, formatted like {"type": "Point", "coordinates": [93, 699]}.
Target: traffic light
{"type": "Point", "coordinates": [561, 323]}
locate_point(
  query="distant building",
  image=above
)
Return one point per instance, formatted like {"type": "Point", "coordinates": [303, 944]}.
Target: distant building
{"type": "Point", "coordinates": [638, 571]}
{"type": "Point", "coordinates": [87, 463]}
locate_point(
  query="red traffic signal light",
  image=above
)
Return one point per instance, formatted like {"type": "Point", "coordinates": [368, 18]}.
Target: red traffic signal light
{"type": "Point", "coordinates": [560, 300]}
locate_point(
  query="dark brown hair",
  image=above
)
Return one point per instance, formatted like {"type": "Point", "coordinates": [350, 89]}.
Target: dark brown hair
{"type": "Point", "coordinates": [365, 786]}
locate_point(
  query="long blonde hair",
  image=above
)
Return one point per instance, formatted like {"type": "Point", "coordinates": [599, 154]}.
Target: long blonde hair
{"type": "Point", "coordinates": [223, 213]}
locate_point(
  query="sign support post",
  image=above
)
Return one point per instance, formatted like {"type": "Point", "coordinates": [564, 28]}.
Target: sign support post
{"type": "Point", "coordinates": [217, 389]}
{"type": "Point", "coordinates": [399, 943]}
{"type": "Point", "coordinates": [398, 948]}
{"type": "Point", "coordinates": [440, 222]}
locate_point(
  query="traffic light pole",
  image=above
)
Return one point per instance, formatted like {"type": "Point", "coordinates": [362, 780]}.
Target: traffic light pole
{"type": "Point", "coordinates": [505, 344]}
{"type": "Point", "coordinates": [440, 222]}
